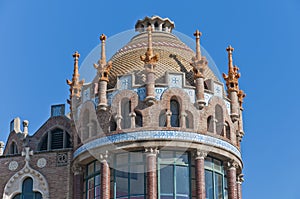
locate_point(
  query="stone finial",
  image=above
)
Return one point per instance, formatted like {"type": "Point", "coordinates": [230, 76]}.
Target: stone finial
{"type": "Point", "coordinates": [1, 147]}
{"type": "Point", "coordinates": [241, 96]}
{"type": "Point", "coordinates": [75, 84]}
{"type": "Point", "coordinates": [103, 68]}
{"type": "Point", "coordinates": [240, 178]}
{"type": "Point", "coordinates": [198, 62]}
{"type": "Point", "coordinates": [149, 57]}
{"type": "Point", "coordinates": [233, 75]}
{"type": "Point", "coordinates": [25, 128]}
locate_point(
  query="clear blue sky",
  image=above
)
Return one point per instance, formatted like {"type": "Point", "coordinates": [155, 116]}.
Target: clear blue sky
{"type": "Point", "coordinates": [37, 39]}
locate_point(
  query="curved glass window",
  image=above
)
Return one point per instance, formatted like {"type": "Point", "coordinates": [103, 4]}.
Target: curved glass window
{"type": "Point", "coordinates": [215, 179]}
{"type": "Point", "coordinates": [92, 181]}
{"type": "Point", "coordinates": [130, 175]}
{"type": "Point", "coordinates": [27, 192]}
{"type": "Point", "coordinates": [173, 175]}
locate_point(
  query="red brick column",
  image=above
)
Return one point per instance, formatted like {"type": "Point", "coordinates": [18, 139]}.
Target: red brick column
{"type": "Point", "coordinates": [239, 182]}
{"type": "Point", "coordinates": [151, 173]}
{"type": "Point", "coordinates": [200, 174]}
{"type": "Point", "coordinates": [78, 182]}
{"type": "Point", "coordinates": [231, 180]}
{"type": "Point", "coordinates": [105, 176]}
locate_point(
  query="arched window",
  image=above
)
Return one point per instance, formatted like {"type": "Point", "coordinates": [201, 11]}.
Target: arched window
{"type": "Point", "coordinates": [162, 119]}
{"type": "Point", "coordinates": [113, 124]}
{"type": "Point", "coordinates": [125, 112]}
{"type": "Point", "coordinates": [138, 120]}
{"type": "Point", "coordinates": [55, 139]}
{"type": "Point", "coordinates": [227, 128]}
{"type": "Point", "coordinates": [13, 149]}
{"type": "Point", "coordinates": [219, 120]}
{"type": "Point", "coordinates": [210, 124]}
{"type": "Point", "coordinates": [174, 107]}
{"type": "Point", "coordinates": [156, 25]}
{"type": "Point", "coordinates": [27, 192]}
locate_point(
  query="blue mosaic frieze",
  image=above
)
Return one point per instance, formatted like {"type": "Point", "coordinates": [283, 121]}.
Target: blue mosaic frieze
{"type": "Point", "coordinates": [158, 135]}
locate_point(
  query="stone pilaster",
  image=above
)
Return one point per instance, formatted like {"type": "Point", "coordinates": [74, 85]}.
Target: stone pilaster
{"type": "Point", "coordinates": [151, 172]}
{"type": "Point", "coordinates": [231, 180]}
{"type": "Point", "coordinates": [200, 173]}
{"type": "Point", "coordinates": [240, 180]}
{"type": "Point", "coordinates": [105, 176]}
{"type": "Point", "coordinates": [77, 181]}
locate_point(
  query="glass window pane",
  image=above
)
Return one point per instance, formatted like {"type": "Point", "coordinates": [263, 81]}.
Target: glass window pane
{"type": "Point", "coordinates": [122, 159]}
{"type": "Point", "coordinates": [137, 179]}
{"type": "Point", "coordinates": [17, 196]}
{"type": "Point", "coordinates": [90, 169]}
{"type": "Point", "coordinates": [27, 185]}
{"type": "Point", "coordinates": [166, 179]}
{"type": "Point", "coordinates": [166, 154]}
{"type": "Point", "coordinates": [208, 163]}
{"type": "Point", "coordinates": [218, 186]}
{"type": "Point", "coordinates": [38, 195]}
{"type": "Point", "coordinates": [98, 166]}
{"type": "Point", "coordinates": [209, 184]}
{"type": "Point", "coordinates": [182, 180]}
{"type": "Point", "coordinates": [182, 157]}
{"type": "Point", "coordinates": [136, 157]}
{"type": "Point", "coordinates": [122, 182]}
{"type": "Point", "coordinates": [217, 165]}
{"type": "Point", "coordinates": [97, 191]}
{"type": "Point", "coordinates": [97, 180]}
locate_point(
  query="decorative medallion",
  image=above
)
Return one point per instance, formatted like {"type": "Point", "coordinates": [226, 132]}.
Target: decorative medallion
{"type": "Point", "coordinates": [61, 159]}
{"type": "Point", "coordinates": [13, 165]}
{"type": "Point", "coordinates": [41, 163]}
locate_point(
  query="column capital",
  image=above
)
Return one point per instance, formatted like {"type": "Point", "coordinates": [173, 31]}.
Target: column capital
{"type": "Point", "coordinates": [240, 178]}
{"type": "Point", "coordinates": [77, 169]}
{"type": "Point", "coordinates": [231, 164]}
{"type": "Point", "coordinates": [200, 154]}
{"type": "Point", "coordinates": [151, 150]}
{"type": "Point", "coordinates": [104, 156]}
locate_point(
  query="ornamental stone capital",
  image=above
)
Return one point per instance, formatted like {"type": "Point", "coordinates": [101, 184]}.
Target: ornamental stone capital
{"type": "Point", "coordinates": [200, 154]}
{"type": "Point", "coordinates": [232, 164]}
{"type": "Point", "coordinates": [240, 178]}
{"type": "Point", "coordinates": [104, 157]}
{"type": "Point", "coordinates": [151, 151]}
{"type": "Point", "coordinates": [77, 169]}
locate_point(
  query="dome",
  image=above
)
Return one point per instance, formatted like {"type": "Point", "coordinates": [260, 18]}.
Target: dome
{"type": "Point", "coordinates": [174, 56]}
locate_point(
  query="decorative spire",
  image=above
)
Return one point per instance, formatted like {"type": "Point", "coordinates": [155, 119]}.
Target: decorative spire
{"type": "Point", "coordinates": [103, 68]}
{"type": "Point", "coordinates": [75, 84]}
{"type": "Point", "coordinates": [241, 96]}
{"type": "Point", "coordinates": [198, 34]}
{"type": "Point", "coordinates": [233, 75]}
{"type": "Point", "coordinates": [149, 58]}
{"type": "Point", "coordinates": [198, 62]}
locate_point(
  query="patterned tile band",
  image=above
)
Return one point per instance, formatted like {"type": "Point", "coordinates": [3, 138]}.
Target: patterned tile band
{"type": "Point", "coordinates": [158, 135]}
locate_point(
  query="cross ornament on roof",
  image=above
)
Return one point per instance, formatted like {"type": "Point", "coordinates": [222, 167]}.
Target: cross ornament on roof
{"type": "Point", "coordinates": [27, 153]}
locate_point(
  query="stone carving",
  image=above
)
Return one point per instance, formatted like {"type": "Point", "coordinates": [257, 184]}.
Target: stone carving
{"type": "Point", "coordinates": [61, 159]}
{"type": "Point", "coordinates": [233, 74]}
{"type": "Point", "coordinates": [13, 165]}
{"type": "Point", "coordinates": [41, 163]}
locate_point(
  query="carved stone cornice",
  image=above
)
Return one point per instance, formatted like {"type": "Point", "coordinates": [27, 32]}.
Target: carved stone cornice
{"type": "Point", "coordinates": [233, 74]}
{"type": "Point", "coordinates": [149, 58]}
{"type": "Point", "coordinates": [103, 68]}
{"type": "Point", "coordinates": [200, 154]}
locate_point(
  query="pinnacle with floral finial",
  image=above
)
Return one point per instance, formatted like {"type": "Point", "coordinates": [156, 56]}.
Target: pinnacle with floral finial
{"type": "Point", "coordinates": [233, 74]}
{"type": "Point", "coordinates": [103, 68]}
{"type": "Point", "coordinates": [149, 57]}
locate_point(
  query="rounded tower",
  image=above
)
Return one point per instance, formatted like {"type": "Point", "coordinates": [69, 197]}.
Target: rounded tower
{"type": "Point", "coordinates": [156, 121]}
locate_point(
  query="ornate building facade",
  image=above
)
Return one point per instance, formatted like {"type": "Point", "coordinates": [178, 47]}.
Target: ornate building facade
{"type": "Point", "coordinates": [154, 122]}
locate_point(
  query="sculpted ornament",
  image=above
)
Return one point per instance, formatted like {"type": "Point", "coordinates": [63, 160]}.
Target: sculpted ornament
{"type": "Point", "coordinates": [41, 163]}
{"type": "Point", "coordinates": [13, 165]}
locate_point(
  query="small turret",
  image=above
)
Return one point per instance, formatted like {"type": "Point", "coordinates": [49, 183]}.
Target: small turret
{"type": "Point", "coordinates": [150, 60]}
{"type": "Point", "coordinates": [103, 70]}
{"type": "Point", "coordinates": [232, 85]}
{"type": "Point", "coordinates": [199, 64]}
